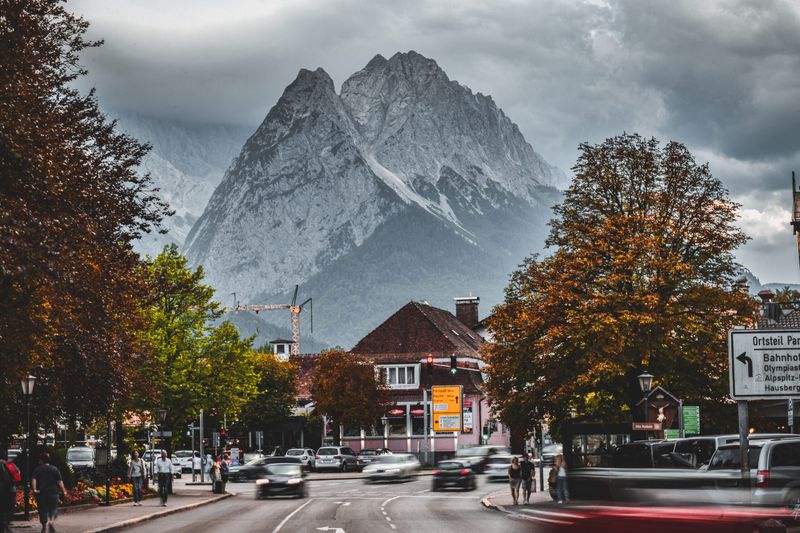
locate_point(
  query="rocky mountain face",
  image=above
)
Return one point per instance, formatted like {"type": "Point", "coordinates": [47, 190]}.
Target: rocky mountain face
{"type": "Point", "coordinates": [404, 185]}
{"type": "Point", "coordinates": [187, 162]}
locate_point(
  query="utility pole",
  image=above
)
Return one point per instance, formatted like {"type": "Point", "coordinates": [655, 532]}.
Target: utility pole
{"type": "Point", "coordinates": [425, 425]}
{"type": "Point", "coordinates": [202, 453]}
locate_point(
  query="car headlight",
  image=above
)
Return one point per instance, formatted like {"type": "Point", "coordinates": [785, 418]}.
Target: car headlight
{"type": "Point", "coordinates": [262, 482]}
{"type": "Point", "coordinates": [294, 481]}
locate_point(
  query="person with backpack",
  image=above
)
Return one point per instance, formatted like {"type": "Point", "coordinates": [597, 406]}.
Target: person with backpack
{"type": "Point", "coordinates": [528, 478]}
{"type": "Point", "coordinates": [10, 478]}
{"type": "Point", "coordinates": [46, 483]}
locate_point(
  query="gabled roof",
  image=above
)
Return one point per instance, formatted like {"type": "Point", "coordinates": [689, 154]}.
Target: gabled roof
{"type": "Point", "coordinates": [419, 328]}
{"type": "Point", "coordinates": [789, 320]}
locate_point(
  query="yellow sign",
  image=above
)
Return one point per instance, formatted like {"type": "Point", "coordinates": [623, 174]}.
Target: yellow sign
{"type": "Point", "coordinates": [446, 407]}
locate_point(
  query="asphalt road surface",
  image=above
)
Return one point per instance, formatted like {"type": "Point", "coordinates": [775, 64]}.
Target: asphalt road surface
{"type": "Point", "coordinates": [346, 506]}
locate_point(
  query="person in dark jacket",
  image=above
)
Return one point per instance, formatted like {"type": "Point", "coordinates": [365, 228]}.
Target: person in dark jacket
{"type": "Point", "coordinates": [47, 483]}
{"type": "Point", "coordinates": [528, 478]}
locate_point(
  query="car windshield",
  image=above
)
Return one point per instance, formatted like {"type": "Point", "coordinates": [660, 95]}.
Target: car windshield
{"type": "Point", "coordinates": [392, 459]}
{"type": "Point", "coordinates": [471, 452]}
{"type": "Point", "coordinates": [182, 454]}
{"type": "Point", "coordinates": [79, 455]}
{"type": "Point", "coordinates": [284, 470]}
{"type": "Point", "coordinates": [730, 458]}
{"type": "Point", "coordinates": [295, 452]}
{"type": "Point", "coordinates": [368, 452]}
{"type": "Point", "coordinates": [450, 465]}
{"type": "Point", "coordinates": [702, 449]}
{"type": "Point", "coordinates": [328, 451]}
{"type": "Point", "coordinates": [504, 459]}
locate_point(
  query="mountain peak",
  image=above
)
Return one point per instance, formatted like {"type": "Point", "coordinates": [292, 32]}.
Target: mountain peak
{"type": "Point", "coordinates": [376, 62]}
{"type": "Point", "coordinates": [312, 78]}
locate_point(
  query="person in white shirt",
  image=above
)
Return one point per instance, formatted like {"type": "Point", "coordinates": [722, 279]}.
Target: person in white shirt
{"type": "Point", "coordinates": [197, 465]}
{"type": "Point", "coordinates": [164, 473]}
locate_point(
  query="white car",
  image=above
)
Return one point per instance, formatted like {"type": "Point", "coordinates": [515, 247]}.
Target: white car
{"type": "Point", "coordinates": [392, 467]}
{"type": "Point", "coordinates": [184, 458]}
{"type": "Point", "coordinates": [80, 457]}
{"type": "Point", "coordinates": [306, 456]}
{"type": "Point", "coordinates": [151, 456]}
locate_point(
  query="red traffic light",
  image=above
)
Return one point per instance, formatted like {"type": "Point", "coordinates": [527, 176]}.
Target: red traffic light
{"type": "Point", "coordinates": [430, 359]}
{"type": "Point", "coordinates": [222, 433]}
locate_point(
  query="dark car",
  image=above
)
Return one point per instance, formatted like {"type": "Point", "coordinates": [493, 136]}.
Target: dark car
{"type": "Point", "coordinates": [281, 479]}
{"type": "Point", "coordinates": [645, 454]}
{"type": "Point", "coordinates": [476, 457]}
{"type": "Point", "coordinates": [257, 468]}
{"type": "Point", "coordinates": [453, 474]}
{"type": "Point", "coordinates": [369, 455]}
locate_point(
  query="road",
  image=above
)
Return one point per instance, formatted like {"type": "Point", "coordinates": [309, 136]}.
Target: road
{"type": "Point", "coordinates": [349, 506]}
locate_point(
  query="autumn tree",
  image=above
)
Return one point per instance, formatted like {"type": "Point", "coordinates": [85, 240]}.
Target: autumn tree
{"type": "Point", "coordinates": [199, 363]}
{"type": "Point", "coordinates": [639, 279]}
{"type": "Point", "coordinates": [348, 390]}
{"type": "Point", "coordinates": [71, 204]}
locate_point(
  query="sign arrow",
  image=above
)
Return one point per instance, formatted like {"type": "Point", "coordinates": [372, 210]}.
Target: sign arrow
{"type": "Point", "coordinates": [743, 358]}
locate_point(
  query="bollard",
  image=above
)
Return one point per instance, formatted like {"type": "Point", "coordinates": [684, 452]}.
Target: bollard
{"type": "Point", "coordinates": [772, 526]}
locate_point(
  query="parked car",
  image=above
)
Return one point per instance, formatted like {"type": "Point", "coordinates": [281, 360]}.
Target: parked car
{"type": "Point", "coordinates": [80, 457]}
{"type": "Point", "coordinates": [368, 455]}
{"type": "Point", "coordinates": [453, 473]}
{"type": "Point", "coordinates": [476, 457]}
{"type": "Point", "coordinates": [392, 467]}
{"type": "Point", "coordinates": [249, 456]}
{"type": "Point", "coordinates": [644, 454]}
{"type": "Point", "coordinates": [306, 455]}
{"type": "Point", "coordinates": [151, 456]}
{"type": "Point", "coordinates": [281, 479]}
{"type": "Point", "coordinates": [700, 449]}
{"type": "Point", "coordinates": [340, 458]}
{"type": "Point", "coordinates": [184, 458]}
{"type": "Point", "coordinates": [550, 452]}
{"type": "Point", "coordinates": [497, 467]}
{"type": "Point", "coordinates": [258, 467]}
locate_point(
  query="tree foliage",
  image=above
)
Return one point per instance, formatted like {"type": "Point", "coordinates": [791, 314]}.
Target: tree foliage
{"type": "Point", "coordinates": [71, 203]}
{"type": "Point", "coordinates": [276, 393]}
{"type": "Point", "coordinates": [347, 389]}
{"type": "Point", "coordinates": [639, 280]}
{"type": "Point", "coordinates": [198, 365]}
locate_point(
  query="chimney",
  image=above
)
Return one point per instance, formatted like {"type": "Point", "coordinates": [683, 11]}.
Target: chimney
{"type": "Point", "coordinates": [766, 296]}
{"type": "Point", "coordinates": [467, 310]}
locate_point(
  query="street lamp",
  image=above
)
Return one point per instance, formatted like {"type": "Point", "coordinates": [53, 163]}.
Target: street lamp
{"type": "Point", "coordinates": [645, 383]}
{"type": "Point", "coordinates": [385, 432]}
{"type": "Point", "coordinates": [27, 390]}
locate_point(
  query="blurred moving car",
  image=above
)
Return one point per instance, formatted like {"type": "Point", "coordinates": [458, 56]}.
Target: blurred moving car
{"type": "Point", "coordinates": [550, 452]}
{"type": "Point", "coordinates": [306, 456]}
{"type": "Point", "coordinates": [258, 467]}
{"type": "Point", "coordinates": [368, 455]}
{"type": "Point", "coordinates": [392, 467]}
{"type": "Point", "coordinates": [475, 457]}
{"type": "Point", "coordinates": [340, 458]}
{"type": "Point", "coordinates": [497, 467]}
{"type": "Point", "coordinates": [453, 473]}
{"type": "Point", "coordinates": [184, 458]}
{"type": "Point", "coordinates": [281, 479]}
{"type": "Point", "coordinates": [249, 456]}
{"type": "Point", "coordinates": [79, 457]}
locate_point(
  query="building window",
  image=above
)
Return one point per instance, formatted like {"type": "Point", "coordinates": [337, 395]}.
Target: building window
{"type": "Point", "coordinates": [401, 376]}
{"type": "Point", "coordinates": [280, 348]}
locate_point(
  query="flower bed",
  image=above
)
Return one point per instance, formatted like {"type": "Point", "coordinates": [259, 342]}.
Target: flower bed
{"type": "Point", "coordinates": [83, 493]}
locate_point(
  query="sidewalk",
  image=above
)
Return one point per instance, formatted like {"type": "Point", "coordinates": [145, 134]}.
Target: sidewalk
{"type": "Point", "coordinates": [115, 517]}
{"type": "Point", "coordinates": [501, 500]}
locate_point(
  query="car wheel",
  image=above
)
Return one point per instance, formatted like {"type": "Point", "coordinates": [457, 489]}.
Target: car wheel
{"type": "Point", "coordinates": [344, 466]}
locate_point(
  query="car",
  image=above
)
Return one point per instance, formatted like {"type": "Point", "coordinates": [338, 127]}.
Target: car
{"type": "Point", "coordinates": [281, 479]}
{"type": "Point", "coordinates": [306, 455]}
{"type": "Point", "coordinates": [80, 457]}
{"type": "Point", "coordinates": [453, 473]}
{"type": "Point", "coordinates": [699, 449]}
{"type": "Point", "coordinates": [550, 452]}
{"type": "Point", "coordinates": [151, 456]}
{"type": "Point", "coordinates": [340, 458]}
{"type": "Point", "coordinates": [475, 457]}
{"type": "Point", "coordinates": [644, 454]}
{"type": "Point", "coordinates": [249, 456]}
{"type": "Point", "coordinates": [184, 458]}
{"type": "Point", "coordinates": [774, 465]}
{"type": "Point", "coordinates": [257, 468]}
{"type": "Point", "coordinates": [392, 467]}
{"type": "Point", "coordinates": [368, 455]}
{"type": "Point", "coordinates": [497, 467]}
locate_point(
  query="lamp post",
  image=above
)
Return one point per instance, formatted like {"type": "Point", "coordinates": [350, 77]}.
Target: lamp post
{"type": "Point", "coordinates": [27, 390]}
{"type": "Point", "coordinates": [645, 383]}
{"type": "Point", "coordinates": [385, 432]}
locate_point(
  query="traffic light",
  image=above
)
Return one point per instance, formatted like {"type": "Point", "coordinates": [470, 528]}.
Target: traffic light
{"type": "Point", "coordinates": [223, 438]}
{"type": "Point", "coordinates": [453, 366]}
{"type": "Point", "coordinates": [429, 362]}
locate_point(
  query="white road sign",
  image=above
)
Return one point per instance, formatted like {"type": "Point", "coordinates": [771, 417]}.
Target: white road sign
{"type": "Point", "coordinates": [764, 364]}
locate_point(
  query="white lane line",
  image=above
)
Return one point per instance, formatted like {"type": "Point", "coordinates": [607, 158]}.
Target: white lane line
{"type": "Point", "coordinates": [393, 526]}
{"type": "Point", "coordinates": [421, 491]}
{"type": "Point", "coordinates": [384, 512]}
{"type": "Point", "coordinates": [388, 519]}
{"type": "Point", "coordinates": [283, 522]}
{"type": "Point", "coordinates": [391, 499]}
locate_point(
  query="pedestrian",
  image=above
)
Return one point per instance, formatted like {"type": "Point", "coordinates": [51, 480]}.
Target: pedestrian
{"type": "Point", "coordinates": [514, 479]}
{"type": "Point", "coordinates": [562, 490]}
{"type": "Point", "coordinates": [137, 473]}
{"type": "Point", "coordinates": [164, 473]}
{"type": "Point", "coordinates": [551, 483]}
{"type": "Point", "coordinates": [224, 471]}
{"type": "Point", "coordinates": [528, 476]}
{"type": "Point", "coordinates": [9, 476]}
{"type": "Point", "coordinates": [46, 483]}
{"type": "Point", "coordinates": [197, 465]}
{"type": "Point", "coordinates": [216, 478]}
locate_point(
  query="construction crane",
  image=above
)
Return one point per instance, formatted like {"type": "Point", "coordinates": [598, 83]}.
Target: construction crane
{"type": "Point", "coordinates": [293, 307]}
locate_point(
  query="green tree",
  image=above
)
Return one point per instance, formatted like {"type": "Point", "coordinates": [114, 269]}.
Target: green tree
{"type": "Point", "coordinates": [346, 389]}
{"type": "Point", "coordinates": [71, 204]}
{"type": "Point", "coordinates": [275, 399]}
{"type": "Point", "coordinates": [639, 280]}
{"type": "Point", "coordinates": [198, 365]}
{"type": "Point", "coordinates": [787, 295]}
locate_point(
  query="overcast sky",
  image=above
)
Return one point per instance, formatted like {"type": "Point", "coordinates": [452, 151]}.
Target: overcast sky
{"type": "Point", "coordinates": [721, 77]}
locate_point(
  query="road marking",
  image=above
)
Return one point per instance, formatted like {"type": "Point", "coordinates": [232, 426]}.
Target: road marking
{"type": "Point", "coordinates": [328, 528]}
{"type": "Point", "coordinates": [343, 504]}
{"type": "Point", "coordinates": [393, 526]}
{"type": "Point", "coordinates": [388, 519]}
{"type": "Point", "coordinates": [283, 522]}
{"type": "Point", "coordinates": [421, 491]}
{"type": "Point", "coordinates": [384, 512]}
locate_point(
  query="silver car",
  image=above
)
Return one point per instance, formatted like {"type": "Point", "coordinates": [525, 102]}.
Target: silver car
{"type": "Point", "coordinates": [497, 467]}
{"type": "Point", "coordinates": [392, 467]}
{"type": "Point", "coordinates": [306, 456]}
{"type": "Point", "coordinates": [341, 458]}
{"type": "Point", "coordinates": [80, 457]}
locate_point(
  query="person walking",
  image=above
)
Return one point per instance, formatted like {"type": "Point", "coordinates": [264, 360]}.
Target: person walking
{"type": "Point", "coordinates": [137, 473]}
{"type": "Point", "coordinates": [163, 470]}
{"type": "Point", "coordinates": [216, 478]}
{"type": "Point", "coordinates": [8, 492]}
{"type": "Point", "coordinates": [514, 479]}
{"type": "Point", "coordinates": [562, 490]}
{"type": "Point", "coordinates": [46, 483]}
{"type": "Point", "coordinates": [528, 478]}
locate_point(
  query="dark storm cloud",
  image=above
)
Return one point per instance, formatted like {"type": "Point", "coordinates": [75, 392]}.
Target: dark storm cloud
{"type": "Point", "coordinates": [720, 76]}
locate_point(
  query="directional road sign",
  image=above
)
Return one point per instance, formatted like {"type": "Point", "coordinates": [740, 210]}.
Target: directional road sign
{"type": "Point", "coordinates": [446, 400]}
{"type": "Point", "coordinates": [764, 364]}
{"type": "Point", "coordinates": [691, 419]}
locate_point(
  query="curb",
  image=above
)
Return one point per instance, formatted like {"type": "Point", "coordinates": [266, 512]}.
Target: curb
{"type": "Point", "coordinates": [133, 521]}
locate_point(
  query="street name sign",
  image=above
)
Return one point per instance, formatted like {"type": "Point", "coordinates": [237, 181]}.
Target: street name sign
{"type": "Point", "coordinates": [764, 364]}
{"type": "Point", "coordinates": [446, 401]}
{"type": "Point", "coordinates": [647, 426]}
